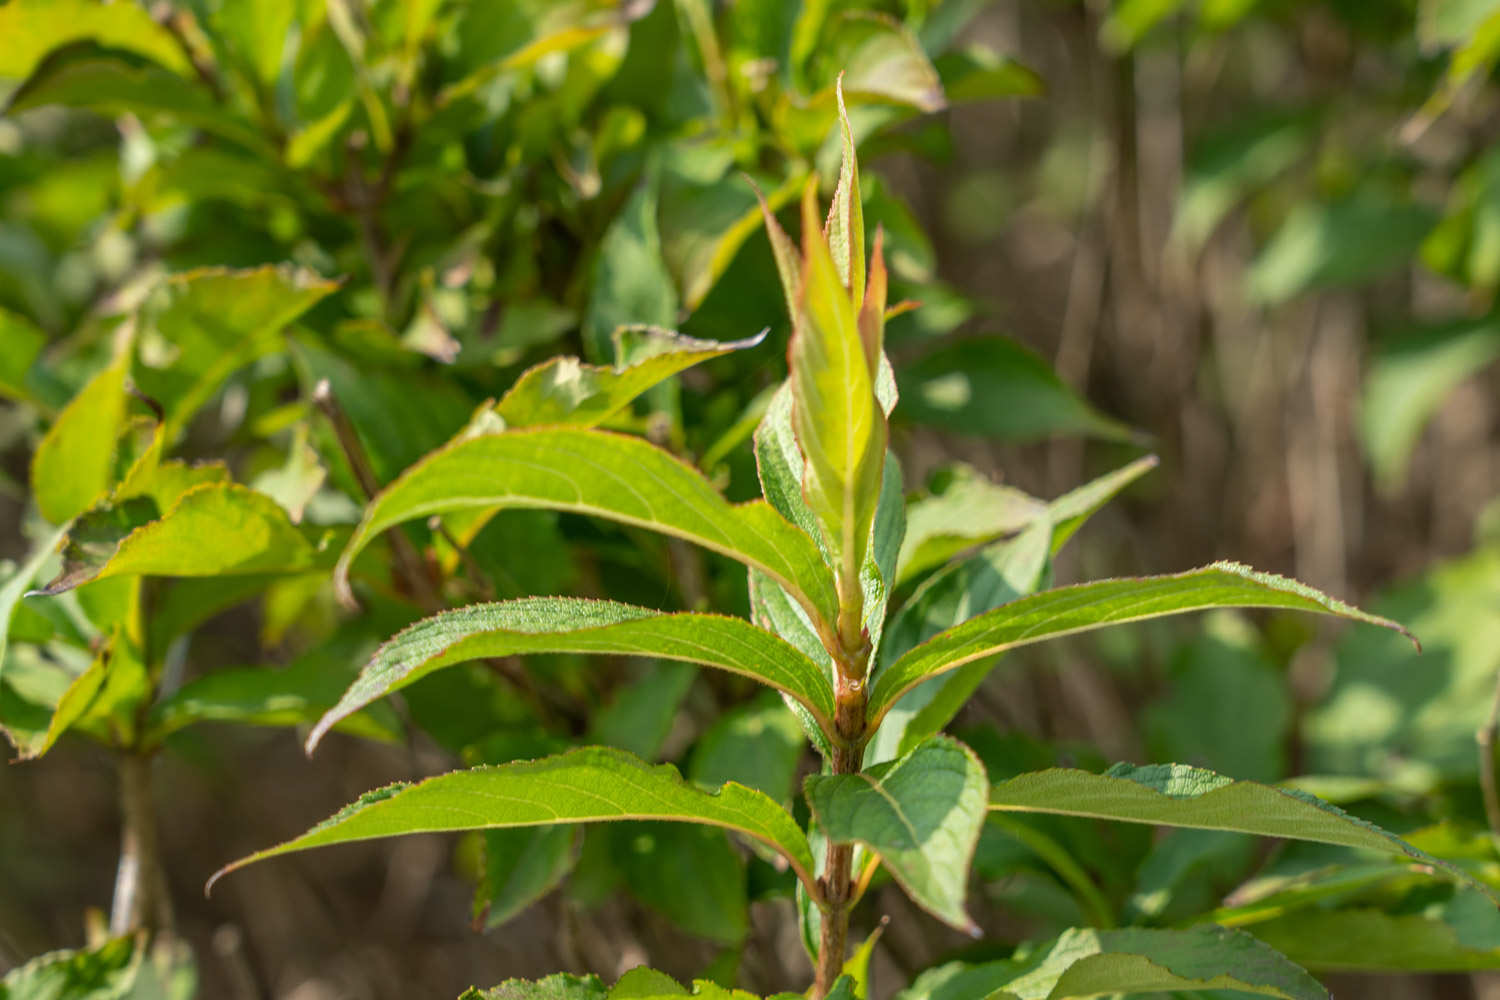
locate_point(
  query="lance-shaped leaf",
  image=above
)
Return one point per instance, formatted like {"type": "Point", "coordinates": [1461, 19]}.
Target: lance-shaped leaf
{"type": "Point", "coordinates": [588, 785]}
{"type": "Point", "coordinates": [1094, 963]}
{"type": "Point", "coordinates": [574, 625]}
{"type": "Point", "coordinates": [1087, 606]}
{"type": "Point", "coordinates": [839, 425]}
{"type": "Point", "coordinates": [845, 229]}
{"type": "Point", "coordinates": [922, 815]}
{"type": "Point", "coordinates": [250, 533]}
{"type": "Point", "coordinates": [74, 461]}
{"type": "Point", "coordinates": [607, 475]}
{"type": "Point", "coordinates": [565, 391]}
{"type": "Point", "coordinates": [1182, 796]}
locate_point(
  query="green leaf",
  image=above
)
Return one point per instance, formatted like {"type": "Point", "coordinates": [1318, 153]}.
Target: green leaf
{"type": "Point", "coordinates": [520, 867]}
{"type": "Point", "coordinates": [591, 784]}
{"type": "Point", "coordinates": [966, 509]}
{"type": "Point", "coordinates": [74, 462]}
{"type": "Point", "coordinates": [883, 62]}
{"type": "Point", "coordinates": [21, 344]}
{"type": "Point", "coordinates": [1406, 383]}
{"type": "Point", "coordinates": [661, 860]}
{"type": "Point", "coordinates": [640, 717]}
{"type": "Point", "coordinates": [608, 475]}
{"type": "Point", "coordinates": [1347, 242]}
{"type": "Point", "coordinates": [1070, 511]}
{"type": "Point", "coordinates": [921, 814]}
{"type": "Point", "coordinates": [19, 582]}
{"type": "Point", "coordinates": [558, 986]}
{"type": "Point", "coordinates": [111, 86]}
{"type": "Point", "coordinates": [1093, 963]}
{"type": "Point", "coordinates": [845, 228]}
{"type": "Point", "coordinates": [562, 624]}
{"type": "Point", "coordinates": [1461, 934]}
{"type": "Point", "coordinates": [996, 575]}
{"type": "Point", "coordinates": [252, 536]}
{"type": "Point", "coordinates": [33, 28]}
{"type": "Point", "coordinates": [839, 425]}
{"type": "Point", "coordinates": [207, 323]}
{"type": "Point", "coordinates": [630, 283]}
{"type": "Point", "coordinates": [1086, 606]}
{"type": "Point", "coordinates": [295, 695]}
{"type": "Point", "coordinates": [564, 391]}
{"type": "Point", "coordinates": [994, 387]}
{"type": "Point", "coordinates": [758, 745]}
{"type": "Point", "coordinates": [977, 73]}
{"type": "Point", "coordinates": [1182, 796]}
{"type": "Point", "coordinates": [1411, 719]}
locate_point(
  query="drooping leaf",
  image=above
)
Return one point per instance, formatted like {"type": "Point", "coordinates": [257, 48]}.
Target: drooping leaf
{"type": "Point", "coordinates": [591, 784]}
{"type": "Point", "coordinates": [520, 867]}
{"type": "Point", "coordinates": [295, 695]}
{"type": "Point", "coordinates": [74, 462]}
{"type": "Point", "coordinates": [1086, 606]}
{"type": "Point", "coordinates": [111, 86]}
{"type": "Point", "coordinates": [33, 28]}
{"type": "Point", "coordinates": [252, 536]}
{"type": "Point", "coordinates": [1183, 796]}
{"type": "Point", "coordinates": [560, 624]}
{"type": "Point", "coordinates": [565, 391]}
{"type": "Point", "coordinates": [608, 475]}
{"type": "Point", "coordinates": [994, 387]}
{"type": "Point", "coordinates": [1094, 963]}
{"type": "Point", "coordinates": [920, 813]}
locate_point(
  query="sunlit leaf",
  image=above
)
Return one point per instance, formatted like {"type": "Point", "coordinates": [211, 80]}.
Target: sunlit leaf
{"type": "Point", "coordinates": [74, 462]}
{"type": "Point", "coordinates": [921, 814]}
{"type": "Point", "coordinates": [592, 784]}
{"type": "Point", "coordinates": [1183, 796]}
{"type": "Point", "coordinates": [1087, 606]}
{"type": "Point", "coordinates": [559, 624]}
{"type": "Point", "coordinates": [994, 387]}
{"type": "Point", "coordinates": [33, 28]}
{"type": "Point", "coordinates": [608, 475]}
{"type": "Point", "coordinates": [1094, 963]}
{"type": "Point", "coordinates": [565, 391]}
{"type": "Point", "coordinates": [252, 535]}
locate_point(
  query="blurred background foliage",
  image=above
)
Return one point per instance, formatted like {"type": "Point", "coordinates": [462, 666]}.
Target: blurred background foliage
{"type": "Point", "coordinates": [1259, 238]}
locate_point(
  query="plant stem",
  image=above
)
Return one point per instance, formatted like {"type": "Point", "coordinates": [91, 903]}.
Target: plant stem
{"type": "Point", "coordinates": [837, 881]}
{"type": "Point", "coordinates": [141, 900]}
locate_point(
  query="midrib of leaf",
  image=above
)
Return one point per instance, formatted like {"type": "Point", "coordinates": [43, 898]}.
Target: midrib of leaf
{"type": "Point", "coordinates": [760, 526]}
{"type": "Point", "coordinates": [1250, 589]}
